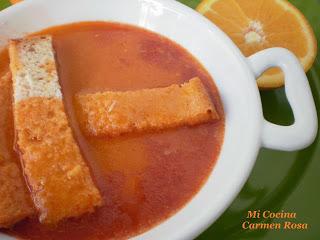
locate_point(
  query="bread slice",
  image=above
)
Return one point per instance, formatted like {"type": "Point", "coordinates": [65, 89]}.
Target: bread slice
{"type": "Point", "coordinates": [58, 177]}
{"type": "Point", "coordinates": [15, 201]}
{"type": "Point", "coordinates": [114, 113]}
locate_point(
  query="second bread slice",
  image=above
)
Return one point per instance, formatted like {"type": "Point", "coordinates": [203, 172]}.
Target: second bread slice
{"type": "Point", "coordinates": [114, 113]}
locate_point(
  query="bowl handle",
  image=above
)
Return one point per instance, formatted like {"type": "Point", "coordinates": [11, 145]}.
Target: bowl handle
{"type": "Point", "coordinates": [304, 129]}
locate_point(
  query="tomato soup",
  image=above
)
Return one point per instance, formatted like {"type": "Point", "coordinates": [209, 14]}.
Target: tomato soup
{"type": "Point", "coordinates": [143, 178]}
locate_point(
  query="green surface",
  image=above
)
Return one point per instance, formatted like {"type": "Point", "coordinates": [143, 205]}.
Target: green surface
{"type": "Point", "coordinates": [279, 180]}
{"type": "Point", "coordinates": [4, 4]}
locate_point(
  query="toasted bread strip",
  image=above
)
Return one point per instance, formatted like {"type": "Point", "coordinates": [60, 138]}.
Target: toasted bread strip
{"type": "Point", "coordinates": [114, 113]}
{"type": "Point", "coordinates": [15, 201]}
{"type": "Point", "coordinates": [58, 177]}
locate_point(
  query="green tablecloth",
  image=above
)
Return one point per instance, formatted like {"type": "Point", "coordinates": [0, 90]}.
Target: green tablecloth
{"type": "Point", "coordinates": [279, 180]}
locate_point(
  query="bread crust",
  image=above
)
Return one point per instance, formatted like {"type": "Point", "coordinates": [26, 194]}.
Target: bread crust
{"type": "Point", "coordinates": [15, 202]}
{"type": "Point", "coordinates": [58, 178]}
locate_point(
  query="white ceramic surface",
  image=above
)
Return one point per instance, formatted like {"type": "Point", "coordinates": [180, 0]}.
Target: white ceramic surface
{"type": "Point", "coordinates": [234, 75]}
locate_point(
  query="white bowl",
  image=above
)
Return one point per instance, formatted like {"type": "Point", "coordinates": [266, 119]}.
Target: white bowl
{"type": "Point", "coordinates": [246, 130]}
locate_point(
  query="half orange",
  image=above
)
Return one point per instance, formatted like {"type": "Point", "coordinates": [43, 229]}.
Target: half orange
{"type": "Point", "coordinates": [258, 24]}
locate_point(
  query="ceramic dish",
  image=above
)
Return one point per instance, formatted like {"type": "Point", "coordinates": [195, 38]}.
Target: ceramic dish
{"type": "Point", "coordinates": [246, 130]}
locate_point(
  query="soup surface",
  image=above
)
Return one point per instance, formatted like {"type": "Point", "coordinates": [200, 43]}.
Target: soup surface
{"type": "Point", "coordinates": [143, 178]}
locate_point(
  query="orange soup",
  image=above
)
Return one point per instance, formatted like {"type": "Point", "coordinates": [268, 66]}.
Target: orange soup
{"type": "Point", "coordinates": [143, 178]}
